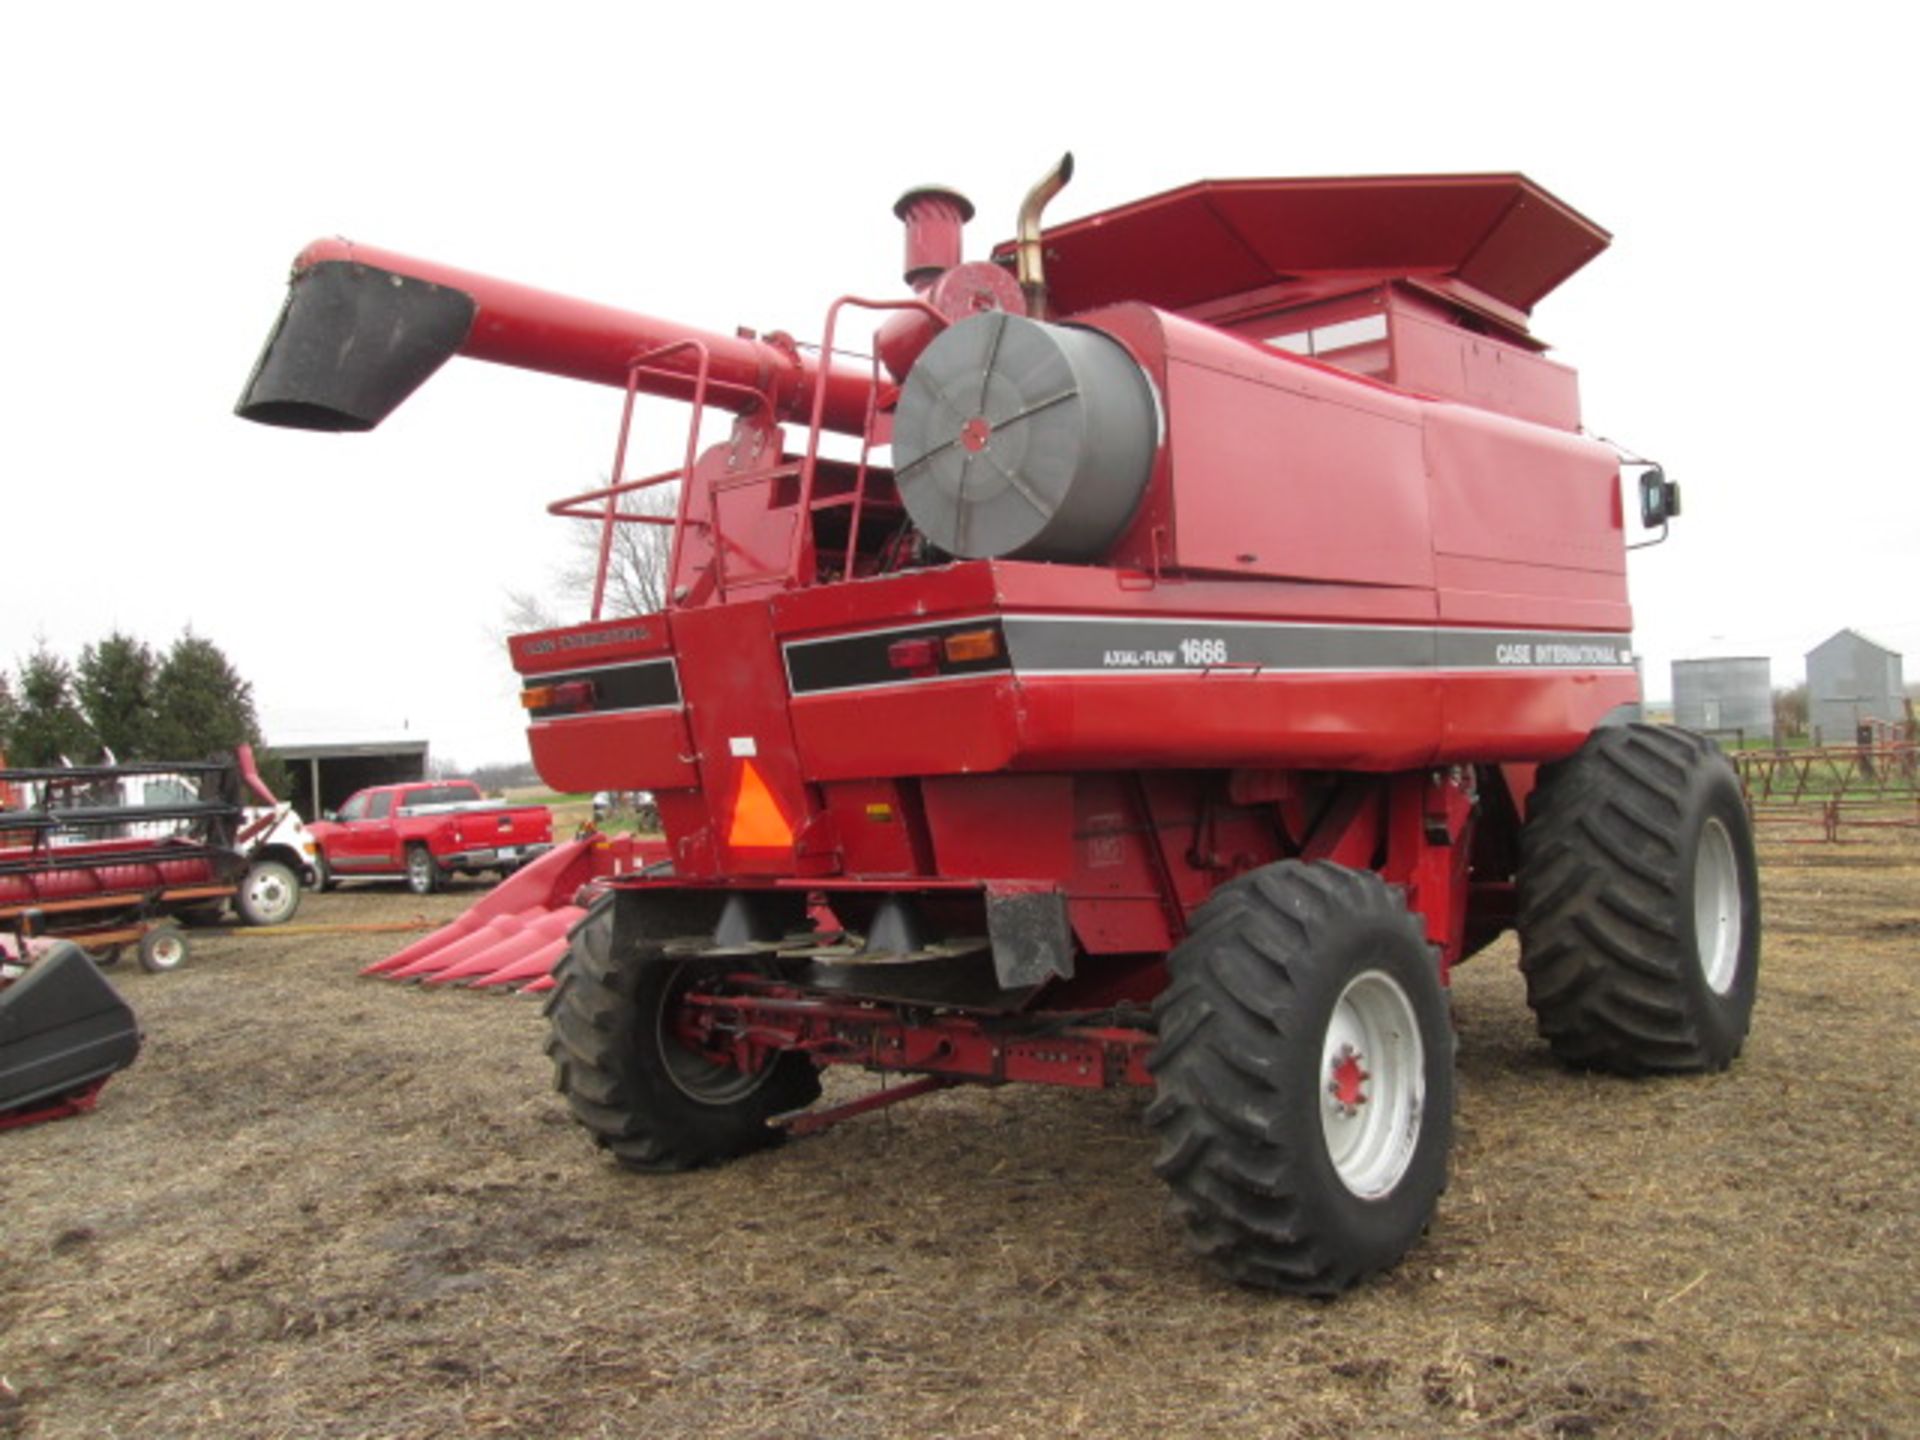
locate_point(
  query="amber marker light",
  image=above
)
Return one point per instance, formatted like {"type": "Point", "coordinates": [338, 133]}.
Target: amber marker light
{"type": "Point", "coordinates": [972, 645]}
{"type": "Point", "coordinates": [567, 695]}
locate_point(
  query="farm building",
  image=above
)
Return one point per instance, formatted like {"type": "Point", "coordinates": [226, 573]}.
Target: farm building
{"type": "Point", "coordinates": [1851, 679]}
{"type": "Point", "coordinates": [1725, 695]}
{"type": "Point", "coordinates": [325, 773]}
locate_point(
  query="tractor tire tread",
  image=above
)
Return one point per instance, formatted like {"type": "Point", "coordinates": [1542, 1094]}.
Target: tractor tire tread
{"type": "Point", "coordinates": [1605, 896]}
{"type": "Point", "coordinates": [598, 1015]}
{"type": "Point", "coordinates": [1234, 1141]}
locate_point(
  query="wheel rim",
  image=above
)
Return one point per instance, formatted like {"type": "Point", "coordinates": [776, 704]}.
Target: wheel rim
{"type": "Point", "coordinates": [270, 895]}
{"type": "Point", "coordinates": [417, 868]}
{"type": "Point", "coordinates": [695, 1076]}
{"type": "Point", "coordinates": [1716, 907]}
{"type": "Point", "coordinates": [1372, 1084]}
{"type": "Point", "coordinates": [164, 952]}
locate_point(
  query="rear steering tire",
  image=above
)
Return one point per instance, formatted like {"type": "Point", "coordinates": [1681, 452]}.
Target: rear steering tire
{"type": "Point", "coordinates": [1304, 1078]}
{"type": "Point", "coordinates": [1640, 904]}
{"type": "Point", "coordinates": [643, 1095]}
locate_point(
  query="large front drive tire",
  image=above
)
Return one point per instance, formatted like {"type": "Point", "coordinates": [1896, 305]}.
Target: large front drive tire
{"type": "Point", "coordinates": [1304, 1078]}
{"type": "Point", "coordinates": [1640, 904]}
{"type": "Point", "coordinates": [655, 1104]}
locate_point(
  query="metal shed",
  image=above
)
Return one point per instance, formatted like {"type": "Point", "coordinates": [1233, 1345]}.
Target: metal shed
{"type": "Point", "coordinates": [1851, 679]}
{"type": "Point", "coordinates": [324, 774]}
{"type": "Point", "coordinates": [1724, 695]}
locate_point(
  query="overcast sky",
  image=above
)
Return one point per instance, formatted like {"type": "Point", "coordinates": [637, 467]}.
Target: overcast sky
{"type": "Point", "coordinates": [1752, 326]}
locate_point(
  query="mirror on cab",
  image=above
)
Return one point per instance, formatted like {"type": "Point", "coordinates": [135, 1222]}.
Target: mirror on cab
{"type": "Point", "coordinates": [1659, 501]}
{"type": "Point", "coordinates": [1659, 497]}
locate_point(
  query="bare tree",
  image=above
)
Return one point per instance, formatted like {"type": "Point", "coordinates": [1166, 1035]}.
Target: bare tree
{"type": "Point", "coordinates": [636, 568]}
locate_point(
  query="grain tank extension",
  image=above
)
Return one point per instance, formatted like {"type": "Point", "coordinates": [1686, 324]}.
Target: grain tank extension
{"type": "Point", "coordinates": [1216, 630]}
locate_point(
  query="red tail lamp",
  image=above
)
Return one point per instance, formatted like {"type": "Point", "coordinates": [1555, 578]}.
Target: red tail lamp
{"type": "Point", "coordinates": [567, 695]}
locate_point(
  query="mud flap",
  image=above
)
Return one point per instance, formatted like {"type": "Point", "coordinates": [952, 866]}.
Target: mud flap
{"type": "Point", "coordinates": [1032, 939]}
{"type": "Point", "coordinates": [62, 1028]}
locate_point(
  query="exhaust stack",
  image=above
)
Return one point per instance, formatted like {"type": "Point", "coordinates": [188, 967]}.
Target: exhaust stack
{"type": "Point", "coordinates": [1032, 262]}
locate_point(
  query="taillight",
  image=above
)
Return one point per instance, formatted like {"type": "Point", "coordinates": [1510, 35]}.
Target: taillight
{"type": "Point", "coordinates": [567, 695]}
{"type": "Point", "coordinates": [924, 655]}
{"type": "Point", "coordinates": [919, 656]}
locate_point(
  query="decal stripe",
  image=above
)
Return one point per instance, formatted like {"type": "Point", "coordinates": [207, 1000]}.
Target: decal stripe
{"type": "Point", "coordinates": [617, 689]}
{"type": "Point", "coordinates": [1055, 645]}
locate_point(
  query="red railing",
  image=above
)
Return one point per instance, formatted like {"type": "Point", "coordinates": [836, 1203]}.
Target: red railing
{"type": "Point", "coordinates": [603, 503]}
{"type": "Point", "coordinates": [1872, 785]}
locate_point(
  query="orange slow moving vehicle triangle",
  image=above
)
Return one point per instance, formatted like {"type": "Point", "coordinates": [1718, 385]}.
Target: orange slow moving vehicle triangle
{"type": "Point", "coordinates": [757, 821]}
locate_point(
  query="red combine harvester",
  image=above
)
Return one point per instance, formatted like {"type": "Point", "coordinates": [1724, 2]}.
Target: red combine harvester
{"type": "Point", "coordinates": [1235, 639]}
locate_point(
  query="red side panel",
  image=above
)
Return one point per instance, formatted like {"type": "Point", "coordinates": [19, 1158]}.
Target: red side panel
{"type": "Point", "coordinates": [1012, 827]}
{"type": "Point", "coordinates": [879, 827]}
{"type": "Point", "coordinates": [1433, 356]}
{"type": "Point", "coordinates": [1230, 718]}
{"type": "Point", "coordinates": [647, 751]}
{"type": "Point", "coordinates": [1549, 551]}
{"type": "Point", "coordinates": [967, 725]}
{"type": "Point", "coordinates": [1270, 479]}
{"type": "Point", "coordinates": [749, 767]}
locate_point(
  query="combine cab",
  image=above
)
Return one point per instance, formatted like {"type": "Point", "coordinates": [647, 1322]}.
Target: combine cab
{"type": "Point", "coordinates": [1221, 633]}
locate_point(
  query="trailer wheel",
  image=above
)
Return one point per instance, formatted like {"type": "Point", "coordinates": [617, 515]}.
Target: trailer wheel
{"type": "Point", "coordinates": [643, 1095]}
{"type": "Point", "coordinates": [1303, 1078]}
{"type": "Point", "coordinates": [423, 874]}
{"type": "Point", "coordinates": [163, 948]}
{"type": "Point", "coordinates": [1639, 900]}
{"type": "Point", "coordinates": [269, 893]}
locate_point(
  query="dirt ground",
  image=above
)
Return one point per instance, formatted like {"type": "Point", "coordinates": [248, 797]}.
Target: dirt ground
{"type": "Point", "coordinates": [329, 1206]}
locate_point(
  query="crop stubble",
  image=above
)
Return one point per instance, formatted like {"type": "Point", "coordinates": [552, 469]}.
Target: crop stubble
{"type": "Point", "coordinates": [326, 1206]}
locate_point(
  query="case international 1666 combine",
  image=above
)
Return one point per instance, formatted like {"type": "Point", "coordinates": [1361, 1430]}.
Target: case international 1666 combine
{"type": "Point", "coordinates": [1235, 639]}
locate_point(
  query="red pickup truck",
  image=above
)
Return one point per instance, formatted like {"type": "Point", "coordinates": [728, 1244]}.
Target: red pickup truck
{"type": "Point", "coordinates": [426, 832]}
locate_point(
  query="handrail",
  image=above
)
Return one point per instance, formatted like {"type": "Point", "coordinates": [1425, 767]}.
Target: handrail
{"type": "Point", "coordinates": [810, 466]}
{"type": "Point", "coordinates": [569, 508]}
{"type": "Point", "coordinates": [602, 502]}
{"type": "Point", "coordinates": [860, 473]}
{"type": "Point", "coordinates": [634, 367]}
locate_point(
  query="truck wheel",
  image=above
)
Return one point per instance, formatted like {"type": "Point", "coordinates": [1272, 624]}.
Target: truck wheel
{"type": "Point", "coordinates": [1303, 1078]}
{"type": "Point", "coordinates": [643, 1095]}
{"type": "Point", "coordinates": [322, 876]}
{"type": "Point", "coordinates": [269, 894]}
{"type": "Point", "coordinates": [163, 948]}
{"type": "Point", "coordinates": [1640, 904]}
{"type": "Point", "coordinates": [423, 875]}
